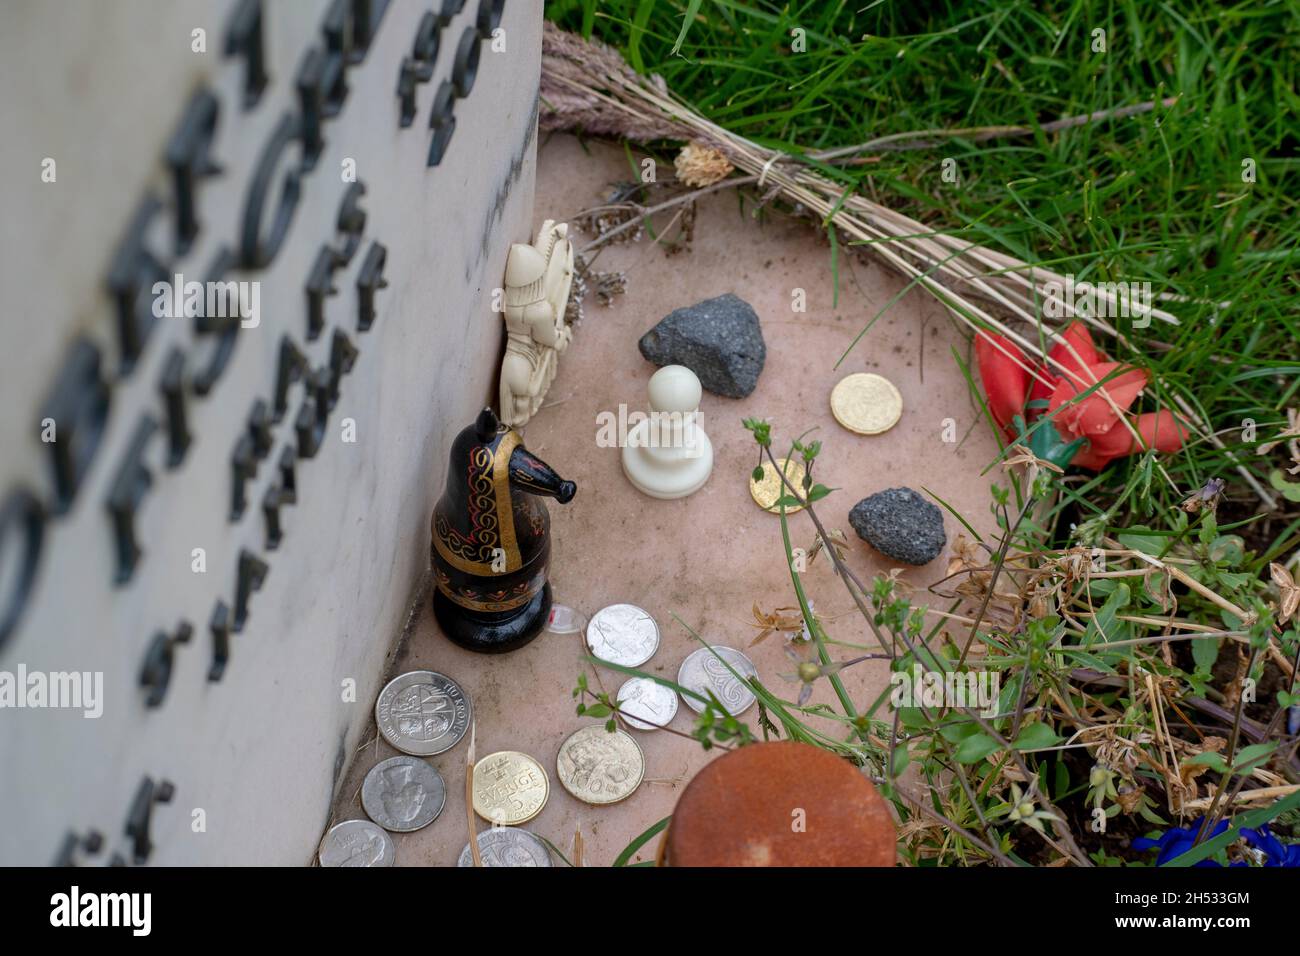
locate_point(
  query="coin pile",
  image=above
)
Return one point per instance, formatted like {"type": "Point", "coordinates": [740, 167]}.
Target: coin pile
{"type": "Point", "coordinates": [422, 714]}
{"type": "Point", "coordinates": [599, 766]}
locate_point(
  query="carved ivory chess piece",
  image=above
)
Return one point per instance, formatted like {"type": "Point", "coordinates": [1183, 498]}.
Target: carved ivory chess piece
{"type": "Point", "coordinates": [538, 279]}
{"type": "Point", "coordinates": [667, 454]}
{"type": "Point", "coordinates": [491, 539]}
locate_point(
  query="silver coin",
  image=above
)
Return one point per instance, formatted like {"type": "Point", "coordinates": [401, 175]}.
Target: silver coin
{"type": "Point", "coordinates": [703, 672]}
{"type": "Point", "coordinates": [623, 634]}
{"type": "Point", "coordinates": [654, 704]}
{"type": "Point", "coordinates": [403, 794]}
{"type": "Point", "coordinates": [600, 767]}
{"type": "Point", "coordinates": [422, 713]}
{"type": "Point", "coordinates": [508, 846]}
{"type": "Point", "coordinates": [357, 843]}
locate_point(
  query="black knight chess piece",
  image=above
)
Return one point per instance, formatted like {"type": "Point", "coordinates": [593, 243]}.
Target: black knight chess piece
{"type": "Point", "coordinates": [491, 539]}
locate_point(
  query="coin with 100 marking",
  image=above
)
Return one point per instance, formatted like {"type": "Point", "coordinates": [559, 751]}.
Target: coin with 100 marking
{"type": "Point", "coordinates": [598, 766]}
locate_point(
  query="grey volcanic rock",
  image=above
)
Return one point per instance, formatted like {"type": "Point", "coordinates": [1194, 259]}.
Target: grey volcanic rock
{"type": "Point", "coordinates": [718, 339]}
{"type": "Point", "coordinates": [900, 523]}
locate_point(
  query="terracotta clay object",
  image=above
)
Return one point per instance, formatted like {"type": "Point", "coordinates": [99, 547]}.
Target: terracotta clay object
{"type": "Point", "coordinates": [492, 539]}
{"type": "Point", "coordinates": [781, 804]}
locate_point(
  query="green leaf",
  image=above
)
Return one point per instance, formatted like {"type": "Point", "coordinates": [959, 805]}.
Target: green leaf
{"type": "Point", "coordinates": [692, 8]}
{"type": "Point", "coordinates": [639, 841]}
{"type": "Point", "coordinates": [1144, 540]}
{"type": "Point", "coordinates": [912, 718]}
{"type": "Point", "coordinates": [956, 733]}
{"type": "Point", "coordinates": [901, 759]}
{"type": "Point", "coordinates": [976, 748]}
{"type": "Point", "coordinates": [1228, 547]}
{"type": "Point", "coordinates": [1036, 736]}
{"type": "Point", "coordinates": [1104, 626]}
{"type": "Point", "coordinates": [818, 493]}
{"type": "Point", "coordinates": [597, 710]}
{"type": "Point", "coordinates": [1061, 783]}
{"type": "Point", "coordinates": [1205, 651]}
{"type": "Point", "coordinates": [1212, 760]}
{"type": "Point", "coordinates": [1253, 756]}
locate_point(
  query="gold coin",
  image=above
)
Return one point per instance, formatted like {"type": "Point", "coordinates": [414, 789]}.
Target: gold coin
{"type": "Point", "coordinates": [866, 403]}
{"type": "Point", "coordinates": [509, 788]}
{"type": "Point", "coordinates": [768, 490]}
{"type": "Point", "coordinates": [599, 767]}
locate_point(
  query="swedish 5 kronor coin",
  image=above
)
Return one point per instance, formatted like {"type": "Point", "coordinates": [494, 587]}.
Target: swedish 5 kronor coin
{"type": "Point", "coordinates": [509, 788]}
{"type": "Point", "coordinates": [403, 794]}
{"type": "Point", "coordinates": [357, 843]}
{"type": "Point", "coordinates": [422, 713]}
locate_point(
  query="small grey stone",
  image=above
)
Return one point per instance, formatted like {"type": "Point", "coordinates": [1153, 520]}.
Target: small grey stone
{"type": "Point", "coordinates": [718, 339]}
{"type": "Point", "coordinates": [900, 523]}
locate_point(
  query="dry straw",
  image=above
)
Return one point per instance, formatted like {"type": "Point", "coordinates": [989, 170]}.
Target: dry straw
{"type": "Point", "coordinates": [588, 87]}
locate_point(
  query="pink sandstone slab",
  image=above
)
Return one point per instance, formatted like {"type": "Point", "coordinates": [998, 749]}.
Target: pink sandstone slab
{"type": "Point", "coordinates": [709, 558]}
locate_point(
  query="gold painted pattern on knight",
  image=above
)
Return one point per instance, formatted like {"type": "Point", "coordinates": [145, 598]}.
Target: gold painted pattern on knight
{"type": "Point", "coordinates": [505, 599]}
{"type": "Point", "coordinates": [492, 527]}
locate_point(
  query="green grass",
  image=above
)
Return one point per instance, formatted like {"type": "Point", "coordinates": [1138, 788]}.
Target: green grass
{"type": "Point", "coordinates": [1156, 197]}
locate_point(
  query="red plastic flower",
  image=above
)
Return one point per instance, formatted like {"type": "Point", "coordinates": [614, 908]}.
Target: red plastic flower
{"type": "Point", "coordinates": [1094, 414]}
{"type": "Point", "coordinates": [1075, 342]}
{"type": "Point", "coordinates": [1100, 416]}
{"type": "Point", "coordinates": [1158, 430]}
{"type": "Point", "coordinates": [1005, 373]}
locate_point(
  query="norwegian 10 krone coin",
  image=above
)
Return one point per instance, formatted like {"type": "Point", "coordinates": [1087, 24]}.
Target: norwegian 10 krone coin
{"type": "Point", "coordinates": [599, 767]}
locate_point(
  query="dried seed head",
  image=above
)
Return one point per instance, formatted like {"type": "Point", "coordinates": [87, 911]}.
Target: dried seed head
{"type": "Point", "coordinates": [699, 165]}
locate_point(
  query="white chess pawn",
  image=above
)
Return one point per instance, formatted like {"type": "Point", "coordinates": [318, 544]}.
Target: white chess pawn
{"type": "Point", "coordinates": [667, 454]}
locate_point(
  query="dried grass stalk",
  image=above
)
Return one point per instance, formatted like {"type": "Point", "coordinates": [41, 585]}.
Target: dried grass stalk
{"type": "Point", "coordinates": [588, 86]}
